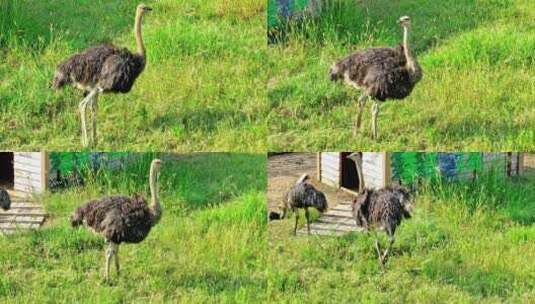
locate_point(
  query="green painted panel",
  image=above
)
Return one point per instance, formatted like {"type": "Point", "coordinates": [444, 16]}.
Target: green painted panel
{"type": "Point", "coordinates": [279, 10]}
{"type": "Point", "coordinates": [410, 166]}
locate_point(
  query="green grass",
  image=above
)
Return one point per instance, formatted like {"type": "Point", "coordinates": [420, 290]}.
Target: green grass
{"type": "Point", "coordinates": [209, 247]}
{"type": "Point", "coordinates": [202, 89]}
{"type": "Point", "coordinates": [476, 94]}
{"type": "Point", "coordinates": [466, 243]}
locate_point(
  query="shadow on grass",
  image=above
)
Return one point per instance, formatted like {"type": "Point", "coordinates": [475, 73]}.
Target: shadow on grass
{"type": "Point", "coordinates": [215, 283]}
{"type": "Point", "coordinates": [474, 280]}
{"type": "Point", "coordinates": [200, 119]}
{"type": "Point", "coordinates": [81, 23]}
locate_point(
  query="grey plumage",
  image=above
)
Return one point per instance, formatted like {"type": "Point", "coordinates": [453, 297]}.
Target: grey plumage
{"type": "Point", "coordinates": [380, 209]}
{"type": "Point", "coordinates": [108, 67]}
{"type": "Point", "coordinates": [5, 200]}
{"type": "Point", "coordinates": [380, 73]}
{"type": "Point", "coordinates": [102, 69]}
{"type": "Point", "coordinates": [303, 196]}
{"type": "Point", "coordinates": [121, 219]}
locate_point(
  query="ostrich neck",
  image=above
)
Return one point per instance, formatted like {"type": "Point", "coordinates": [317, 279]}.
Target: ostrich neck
{"type": "Point", "coordinates": [155, 202]}
{"type": "Point", "coordinates": [358, 165]}
{"type": "Point", "coordinates": [139, 37]}
{"type": "Point", "coordinates": [410, 61]}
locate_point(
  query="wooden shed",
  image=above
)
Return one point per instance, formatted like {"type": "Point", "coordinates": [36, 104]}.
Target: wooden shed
{"type": "Point", "coordinates": [380, 168]}
{"type": "Point", "coordinates": [24, 172]}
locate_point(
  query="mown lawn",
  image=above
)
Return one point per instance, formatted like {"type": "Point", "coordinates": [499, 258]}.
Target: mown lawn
{"type": "Point", "coordinates": [466, 243]}
{"type": "Point", "coordinates": [477, 91]}
{"type": "Point", "coordinates": [202, 89]}
{"type": "Point", "coordinates": [209, 247]}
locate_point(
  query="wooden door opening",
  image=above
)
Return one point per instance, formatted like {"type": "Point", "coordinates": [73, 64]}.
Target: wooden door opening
{"type": "Point", "coordinates": [349, 179]}
{"type": "Point", "coordinates": [7, 171]}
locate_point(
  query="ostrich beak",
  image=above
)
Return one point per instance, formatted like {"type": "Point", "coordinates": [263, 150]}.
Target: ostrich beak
{"type": "Point", "coordinates": [148, 9]}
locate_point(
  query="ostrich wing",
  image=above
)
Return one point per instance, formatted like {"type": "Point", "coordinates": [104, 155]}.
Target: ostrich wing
{"type": "Point", "coordinates": [84, 67]}
{"type": "Point", "coordinates": [120, 71]}
{"type": "Point", "coordinates": [381, 71]}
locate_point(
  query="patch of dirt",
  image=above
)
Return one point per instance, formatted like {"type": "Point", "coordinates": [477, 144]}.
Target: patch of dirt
{"type": "Point", "coordinates": [285, 169]}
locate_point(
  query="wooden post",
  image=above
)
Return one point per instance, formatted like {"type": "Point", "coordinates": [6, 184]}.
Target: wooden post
{"type": "Point", "coordinates": [44, 171]}
{"type": "Point", "coordinates": [387, 167]}
{"type": "Point", "coordinates": [318, 166]}
{"type": "Point", "coordinates": [340, 163]}
{"type": "Point", "coordinates": [509, 163]}
{"type": "Point", "coordinates": [520, 164]}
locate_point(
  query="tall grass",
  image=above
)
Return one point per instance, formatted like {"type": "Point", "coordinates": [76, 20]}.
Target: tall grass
{"type": "Point", "coordinates": [202, 88]}
{"type": "Point", "coordinates": [476, 57]}
{"type": "Point", "coordinates": [466, 242]}
{"type": "Point", "coordinates": [210, 245]}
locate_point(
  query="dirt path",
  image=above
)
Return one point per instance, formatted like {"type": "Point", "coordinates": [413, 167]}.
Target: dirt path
{"type": "Point", "coordinates": [285, 169]}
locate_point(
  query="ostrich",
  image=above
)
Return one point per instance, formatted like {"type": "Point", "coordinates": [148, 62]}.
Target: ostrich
{"type": "Point", "coordinates": [380, 209]}
{"type": "Point", "coordinates": [380, 73]}
{"type": "Point", "coordinates": [105, 68]}
{"type": "Point", "coordinates": [5, 200]}
{"type": "Point", "coordinates": [121, 219]}
{"type": "Point", "coordinates": [303, 195]}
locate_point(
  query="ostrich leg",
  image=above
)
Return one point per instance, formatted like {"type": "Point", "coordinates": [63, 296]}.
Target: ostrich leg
{"type": "Point", "coordinates": [110, 252]}
{"type": "Point", "coordinates": [94, 109]}
{"type": "Point", "coordinates": [307, 215]}
{"type": "Point", "coordinates": [362, 103]}
{"type": "Point", "coordinates": [375, 114]}
{"type": "Point", "coordinates": [117, 267]}
{"type": "Point", "coordinates": [296, 212]}
{"type": "Point", "coordinates": [378, 247]}
{"type": "Point", "coordinates": [385, 254]}
{"type": "Point", "coordinates": [82, 108]}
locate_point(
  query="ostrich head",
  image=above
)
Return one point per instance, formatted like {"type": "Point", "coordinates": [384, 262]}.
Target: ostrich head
{"type": "Point", "coordinates": [404, 195]}
{"type": "Point", "coordinates": [142, 9]}
{"type": "Point", "coordinates": [321, 201]}
{"type": "Point", "coordinates": [405, 21]}
{"type": "Point", "coordinates": [5, 200]}
{"type": "Point", "coordinates": [336, 72]}
{"type": "Point", "coordinates": [156, 165]}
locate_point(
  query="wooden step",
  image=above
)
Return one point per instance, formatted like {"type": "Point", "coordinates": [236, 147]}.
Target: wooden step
{"type": "Point", "coordinates": [26, 205]}
{"type": "Point", "coordinates": [338, 213]}
{"type": "Point", "coordinates": [23, 211]}
{"type": "Point", "coordinates": [24, 214]}
{"type": "Point", "coordinates": [336, 221]}
{"type": "Point", "coordinates": [22, 219]}
{"type": "Point", "coordinates": [14, 226]}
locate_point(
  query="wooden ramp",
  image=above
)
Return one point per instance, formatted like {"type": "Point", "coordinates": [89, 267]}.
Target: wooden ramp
{"type": "Point", "coordinates": [24, 214]}
{"type": "Point", "coordinates": [335, 221]}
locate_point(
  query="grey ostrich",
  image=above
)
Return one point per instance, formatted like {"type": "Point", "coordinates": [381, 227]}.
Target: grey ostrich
{"type": "Point", "coordinates": [5, 200]}
{"type": "Point", "coordinates": [380, 209]}
{"type": "Point", "coordinates": [303, 196]}
{"type": "Point", "coordinates": [105, 68]}
{"type": "Point", "coordinates": [121, 219]}
{"type": "Point", "coordinates": [380, 73]}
